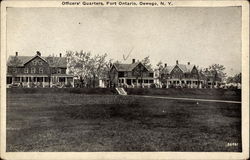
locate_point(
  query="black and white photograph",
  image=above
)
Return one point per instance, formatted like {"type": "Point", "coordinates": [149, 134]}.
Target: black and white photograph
{"type": "Point", "coordinates": [125, 76]}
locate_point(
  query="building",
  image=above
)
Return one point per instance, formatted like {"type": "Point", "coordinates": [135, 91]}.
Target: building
{"type": "Point", "coordinates": [181, 75]}
{"type": "Point", "coordinates": [186, 76]}
{"type": "Point", "coordinates": [38, 71]}
{"type": "Point", "coordinates": [134, 74]}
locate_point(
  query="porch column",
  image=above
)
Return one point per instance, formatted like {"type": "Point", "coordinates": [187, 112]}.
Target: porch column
{"type": "Point", "coordinates": [43, 82]}
{"type": "Point", "coordinates": [66, 80]}
{"type": "Point", "coordinates": [28, 82]}
{"type": "Point", "coordinates": [51, 81]}
{"type": "Point", "coordinates": [73, 82]}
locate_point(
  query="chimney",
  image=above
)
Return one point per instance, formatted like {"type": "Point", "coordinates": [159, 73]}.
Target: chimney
{"type": "Point", "coordinates": [188, 63]}
{"type": "Point", "coordinates": [166, 65]}
{"type": "Point", "coordinates": [133, 60]}
{"type": "Point", "coordinates": [60, 54]}
{"type": "Point", "coordinates": [177, 62]}
{"type": "Point", "coordinates": [38, 53]}
{"type": "Point", "coordinates": [16, 53]}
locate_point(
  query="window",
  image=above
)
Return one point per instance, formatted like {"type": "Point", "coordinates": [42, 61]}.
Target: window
{"type": "Point", "coordinates": [17, 79]}
{"type": "Point", "coordinates": [61, 79]}
{"type": "Point", "coordinates": [14, 70]}
{"type": "Point", "coordinates": [151, 74]}
{"type": "Point", "coordinates": [46, 79]}
{"type": "Point", "coordinates": [9, 80]}
{"type": "Point", "coordinates": [40, 70]}
{"type": "Point", "coordinates": [151, 81]}
{"type": "Point", "coordinates": [145, 81]}
{"type": "Point", "coordinates": [59, 70]}
{"type": "Point", "coordinates": [26, 70]}
{"type": "Point", "coordinates": [40, 63]}
{"type": "Point", "coordinates": [33, 70]}
{"type": "Point", "coordinates": [34, 62]}
{"type": "Point", "coordinates": [120, 74]}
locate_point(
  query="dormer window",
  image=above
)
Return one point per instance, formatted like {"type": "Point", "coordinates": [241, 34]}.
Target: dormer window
{"type": "Point", "coordinates": [40, 63]}
{"type": "Point", "coordinates": [34, 62]}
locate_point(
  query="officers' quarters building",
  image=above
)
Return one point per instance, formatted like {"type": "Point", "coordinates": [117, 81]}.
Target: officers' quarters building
{"type": "Point", "coordinates": [134, 74]}
{"type": "Point", "coordinates": [38, 71]}
{"type": "Point", "coordinates": [186, 76]}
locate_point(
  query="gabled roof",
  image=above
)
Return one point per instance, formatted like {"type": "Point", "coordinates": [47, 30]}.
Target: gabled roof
{"type": "Point", "coordinates": [127, 67]}
{"type": "Point", "coordinates": [52, 61]}
{"type": "Point", "coordinates": [185, 68]}
{"type": "Point", "coordinates": [168, 69]}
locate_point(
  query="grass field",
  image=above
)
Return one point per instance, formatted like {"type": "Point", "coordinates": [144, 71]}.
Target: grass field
{"type": "Point", "coordinates": [79, 122]}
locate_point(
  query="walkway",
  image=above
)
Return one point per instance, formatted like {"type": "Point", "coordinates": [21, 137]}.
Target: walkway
{"type": "Point", "coordinates": [189, 99]}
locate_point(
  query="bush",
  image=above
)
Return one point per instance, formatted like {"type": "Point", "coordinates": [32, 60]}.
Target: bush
{"type": "Point", "coordinates": [152, 85]}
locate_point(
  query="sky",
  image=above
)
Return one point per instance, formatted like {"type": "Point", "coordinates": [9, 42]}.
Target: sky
{"type": "Point", "coordinates": [201, 36]}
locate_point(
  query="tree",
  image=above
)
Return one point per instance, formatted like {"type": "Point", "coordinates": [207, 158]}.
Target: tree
{"type": "Point", "coordinates": [235, 79]}
{"type": "Point", "coordinates": [217, 71]}
{"type": "Point", "coordinates": [86, 67]}
{"type": "Point", "coordinates": [146, 62]}
{"type": "Point", "coordinates": [161, 73]}
{"type": "Point", "coordinates": [98, 69]}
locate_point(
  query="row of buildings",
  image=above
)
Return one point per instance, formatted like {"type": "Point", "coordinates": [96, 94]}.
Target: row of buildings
{"type": "Point", "coordinates": [187, 75]}
{"type": "Point", "coordinates": [39, 71]}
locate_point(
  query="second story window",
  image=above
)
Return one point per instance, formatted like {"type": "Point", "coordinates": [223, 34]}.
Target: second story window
{"type": "Point", "coordinates": [41, 70]}
{"type": "Point", "coordinates": [120, 74]}
{"type": "Point", "coordinates": [33, 70]}
{"type": "Point", "coordinates": [26, 70]}
{"type": "Point", "coordinates": [59, 70]}
{"type": "Point", "coordinates": [14, 70]}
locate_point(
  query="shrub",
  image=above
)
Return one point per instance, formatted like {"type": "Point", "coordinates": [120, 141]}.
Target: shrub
{"type": "Point", "coordinates": [152, 85]}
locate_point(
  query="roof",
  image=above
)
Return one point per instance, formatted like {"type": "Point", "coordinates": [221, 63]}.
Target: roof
{"type": "Point", "coordinates": [185, 68]}
{"type": "Point", "coordinates": [168, 69]}
{"type": "Point", "coordinates": [127, 67]}
{"type": "Point", "coordinates": [52, 61]}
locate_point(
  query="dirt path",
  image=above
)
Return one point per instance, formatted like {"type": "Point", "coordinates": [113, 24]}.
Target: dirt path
{"type": "Point", "coordinates": [189, 99]}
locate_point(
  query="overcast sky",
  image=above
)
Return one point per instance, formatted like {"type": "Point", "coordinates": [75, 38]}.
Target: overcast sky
{"type": "Point", "coordinates": [202, 36]}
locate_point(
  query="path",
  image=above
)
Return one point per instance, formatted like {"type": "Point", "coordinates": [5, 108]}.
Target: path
{"type": "Point", "coordinates": [189, 99]}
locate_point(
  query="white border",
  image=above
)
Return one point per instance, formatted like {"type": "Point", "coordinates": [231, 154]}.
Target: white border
{"type": "Point", "coordinates": [133, 155]}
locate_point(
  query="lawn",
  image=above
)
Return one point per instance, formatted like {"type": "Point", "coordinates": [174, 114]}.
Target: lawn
{"type": "Point", "coordinates": [79, 122]}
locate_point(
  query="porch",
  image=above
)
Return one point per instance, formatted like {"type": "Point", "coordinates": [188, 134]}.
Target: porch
{"type": "Point", "coordinates": [43, 81]}
{"type": "Point", "coordinates": [133, 82]}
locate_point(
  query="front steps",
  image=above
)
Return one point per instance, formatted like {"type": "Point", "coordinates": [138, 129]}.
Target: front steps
{"type": "Point", "coordinates": [121, 91]}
